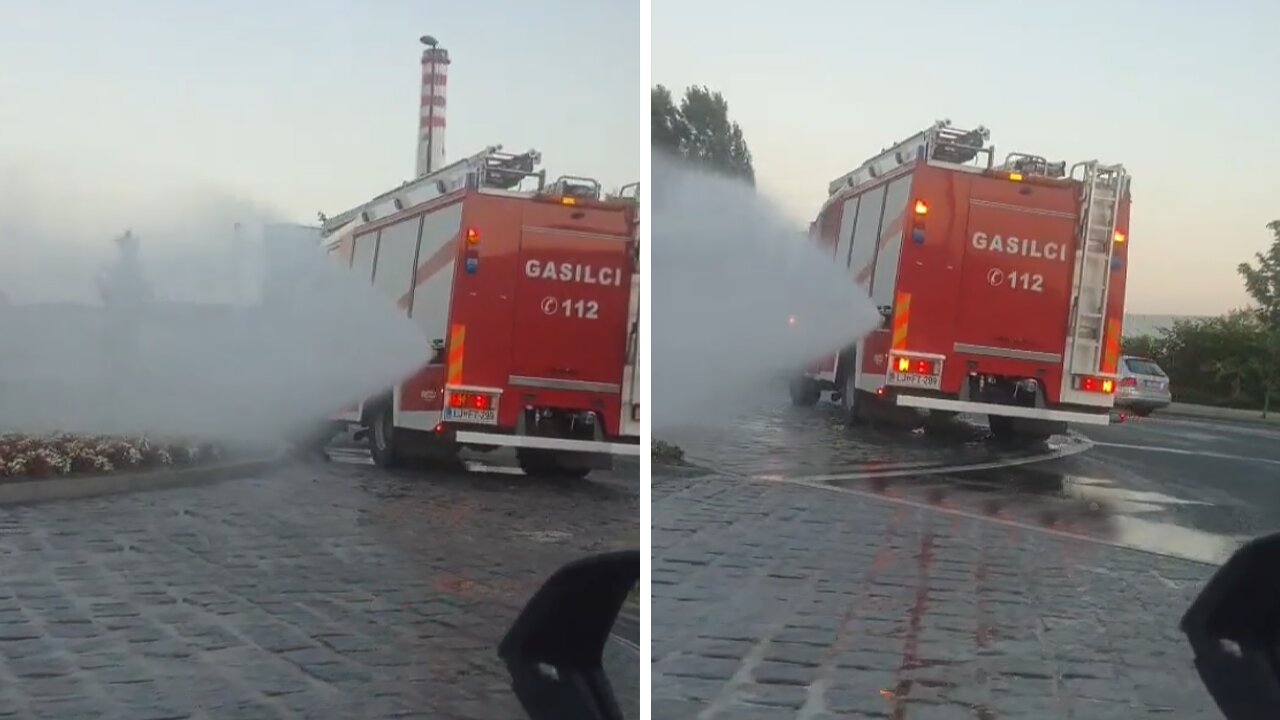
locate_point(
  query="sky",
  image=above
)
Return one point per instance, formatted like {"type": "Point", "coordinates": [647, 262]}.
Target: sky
{"type": "Point", "coordinates": [1186, 98]}
{"type": "Point", "coordinates": [114, 102]}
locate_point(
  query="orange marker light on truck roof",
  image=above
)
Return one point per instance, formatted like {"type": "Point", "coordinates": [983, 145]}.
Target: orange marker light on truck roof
{"type": "Point", "coordinates": [1016, 177]}
{"type": "Point", "coordinates": [921, 208]}
{"type": "Point", "coordinates": [568, 201]}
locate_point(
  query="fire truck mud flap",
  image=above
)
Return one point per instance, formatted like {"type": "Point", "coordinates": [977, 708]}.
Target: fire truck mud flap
{"type": "Point", "coordinates": [1011, 411]}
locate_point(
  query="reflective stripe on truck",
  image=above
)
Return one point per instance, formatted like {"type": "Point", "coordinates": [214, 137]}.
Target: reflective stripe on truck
{"type": "Point", "coordinates": [1111, 349]}
{"type": "Point", "coordinates": [457, 338]}
{"type": "Point", "coordinates": [901, 316]}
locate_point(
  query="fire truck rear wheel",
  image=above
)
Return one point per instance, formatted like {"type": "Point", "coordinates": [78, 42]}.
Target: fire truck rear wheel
{"type": "Point", "coordinates": [382, 438]}
{"type": "Point", "coordinates": [547, 464]}
{"type": "Point", "coordinates": [1007, 430]}
{"type": "Point", "coordinates": [852, 401]}
{"type": "Point", "coordinates": [805, 391]}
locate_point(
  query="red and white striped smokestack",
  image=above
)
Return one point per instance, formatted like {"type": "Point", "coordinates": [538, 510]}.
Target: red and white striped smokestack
{"type": "Point", "coordinates": [435, 73]}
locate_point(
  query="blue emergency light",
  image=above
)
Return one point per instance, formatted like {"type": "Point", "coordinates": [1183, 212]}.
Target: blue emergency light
{"type": "Point", "coordinates": [917, 236]}
{"type": "Point", "coordinates": [472, 265]}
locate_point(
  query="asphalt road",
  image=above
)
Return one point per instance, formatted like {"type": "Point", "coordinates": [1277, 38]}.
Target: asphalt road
{"type": "Point", "coordinates": [320, 590]}
{"type": "Point", "coordinates": [1210, 481]}
{"type": "Point", "coordinates": [977, 594]}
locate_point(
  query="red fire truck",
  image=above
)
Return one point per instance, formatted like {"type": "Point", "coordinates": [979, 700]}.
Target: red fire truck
{"type": "Point", "coordinates": [1001, 286]}
{"type": "Point", "coordinates": [529, 293]}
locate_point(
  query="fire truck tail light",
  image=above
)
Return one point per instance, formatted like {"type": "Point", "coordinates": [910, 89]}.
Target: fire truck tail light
{"type": "Point", "coordinates": [470, 401]}
{"type": "Point", "coordinates": [1095, 384]}
{"type": "Point", "coordinates": [922, 208]}
{"type": "Point", "coordinates": [914, 366]}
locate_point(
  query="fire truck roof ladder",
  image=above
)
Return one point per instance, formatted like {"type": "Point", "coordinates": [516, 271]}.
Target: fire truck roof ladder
{"type": "Point", "coordinates": [489, 168]}
{"type": "Point", "coordinates": [940, 143]}
{"type": "Point", "coordinates": [1103, 187]}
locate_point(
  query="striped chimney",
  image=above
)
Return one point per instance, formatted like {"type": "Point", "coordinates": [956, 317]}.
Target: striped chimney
{"type": "Point", "coordinates": [435, 66]}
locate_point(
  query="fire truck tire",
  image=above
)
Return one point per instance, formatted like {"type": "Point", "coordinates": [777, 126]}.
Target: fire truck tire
{"type": "Point", "coordinates": [852, 402]}
{"type": "Point", "coordinates": [939, 419]}
{"type": "Point", "coordinates": [1001, 427]}
{"type": "Point", "coordinates": [382, 437]}
{"type": "Point", "coordinates": [805, 391]}
{"type": "Point", "coordinates": [1007, 430]}
{"type": "Point", "coordinates": [547, 464]}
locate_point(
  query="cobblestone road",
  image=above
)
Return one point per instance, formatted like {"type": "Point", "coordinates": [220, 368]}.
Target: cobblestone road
{"type": "Point", "coordinates": [320, 591]}
{"type": "Point", "coordinates": [772, 600]}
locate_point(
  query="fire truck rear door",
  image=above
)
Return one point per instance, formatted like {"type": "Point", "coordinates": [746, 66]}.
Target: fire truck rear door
{"type": "Point", "coordinates": [1015, 281]}
{"type": "Point", "coordinates": [572, 295]}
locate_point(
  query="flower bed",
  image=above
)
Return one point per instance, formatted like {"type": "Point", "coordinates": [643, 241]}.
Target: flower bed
{"type": "Point", "coordinates": [42, 456]}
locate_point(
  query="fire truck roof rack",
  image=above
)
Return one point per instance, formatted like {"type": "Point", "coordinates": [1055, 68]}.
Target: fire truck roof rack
{"type": "Point", "coordinates": [1033, 165]}
{"type": "Point", "coordinates": [489, 168]}
{"type": "Point", "coordinates": [574, 186]}
{"type": "Point", "coordinates": [627, 193]}
{"type": "Point", "coordinates": [505, 171]}
{"type": "Point", "coordinates": [941, 143]}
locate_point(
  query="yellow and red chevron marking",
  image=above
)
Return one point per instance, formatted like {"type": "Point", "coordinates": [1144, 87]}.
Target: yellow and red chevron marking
{"type": "Point", "coordinates": [457, 338]}
{"type": "Point", "coordinates": [1111, 347]}
{"type": "Point", "coordinates": [901, 315]}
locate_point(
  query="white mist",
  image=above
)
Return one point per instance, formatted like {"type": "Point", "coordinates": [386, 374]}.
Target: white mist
{"type": "Point", "coordinates": [205, 356]}
{"type": "Point", "coordinates": [728, 271]}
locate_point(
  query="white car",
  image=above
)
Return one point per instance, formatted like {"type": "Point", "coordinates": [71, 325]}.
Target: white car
{"type": "Point", "coordinates": [1143, 386]}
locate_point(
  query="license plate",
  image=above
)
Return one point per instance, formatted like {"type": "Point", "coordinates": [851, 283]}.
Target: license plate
{"type": "Point", "coordinates": [931, 382]}
{"type": "Point", "coordinates": [470, 415]}
{"type": "Point", "coordinates": [1153, 384]}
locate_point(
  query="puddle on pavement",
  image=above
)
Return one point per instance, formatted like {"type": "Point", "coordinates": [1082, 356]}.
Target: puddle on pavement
{"type": "Point", "coordinates": [1090, 506]}
{"type": "Point", "coordinates": [1170, 539]}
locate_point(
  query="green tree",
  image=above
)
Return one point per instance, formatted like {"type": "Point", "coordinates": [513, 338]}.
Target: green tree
{"type": "Point", "coordinates": [1262, 281]}
{"type": "Point", "coordinates": [668, 129]}
{"type": "Point", "coordinates": [699, 130]}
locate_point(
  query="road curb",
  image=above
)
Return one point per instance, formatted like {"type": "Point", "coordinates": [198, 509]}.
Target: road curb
{"type": "Point", "coordinates": [685, 470]}
{"type": "Point", "coordinates": [24, 492]}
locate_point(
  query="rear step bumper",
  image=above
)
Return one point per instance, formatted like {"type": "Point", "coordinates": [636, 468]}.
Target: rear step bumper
{"type": "Point", "coordinates": [981, 408]}
{"type": "Point", "coordinates": [547, 443]}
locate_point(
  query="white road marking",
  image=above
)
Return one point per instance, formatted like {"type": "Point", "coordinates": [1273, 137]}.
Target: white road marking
{"type": "Point", "coordinates": [1181, 451]}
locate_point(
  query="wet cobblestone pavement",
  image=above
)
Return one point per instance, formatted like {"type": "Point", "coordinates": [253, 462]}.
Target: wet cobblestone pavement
{"type": "Point", "coordinates": [319, 591]}
{"type": "Point", "coordinates": [772, 600]}
{"type": "Point", "coordinates": [777, 438]}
